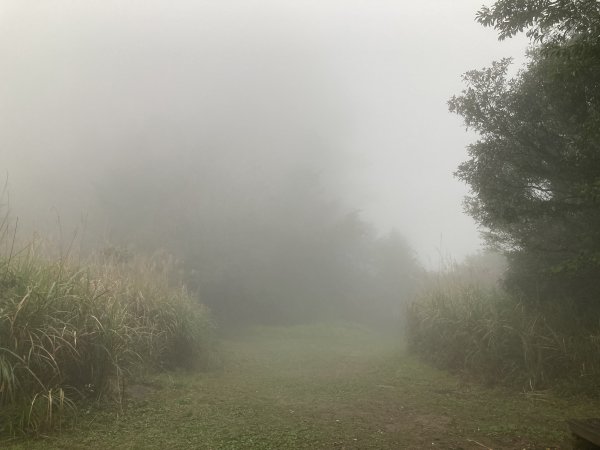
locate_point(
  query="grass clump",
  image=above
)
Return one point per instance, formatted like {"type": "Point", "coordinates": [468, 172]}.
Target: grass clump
{"type": "Point", "coordinates": [495, 337]}
{"type": "Point", "coordinates": [69, 332]}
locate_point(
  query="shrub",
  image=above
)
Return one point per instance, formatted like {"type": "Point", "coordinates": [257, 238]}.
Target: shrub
{"type": "Point", "coordinates": [70, 332]}
{"type": "Point", "coordinates": [492, 336]}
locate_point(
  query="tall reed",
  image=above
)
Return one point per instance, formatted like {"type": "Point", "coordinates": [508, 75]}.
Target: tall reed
{"type": "Point", "coordinates": [497, 338]}
{"type": "Point", "coordinates": [69, 332]}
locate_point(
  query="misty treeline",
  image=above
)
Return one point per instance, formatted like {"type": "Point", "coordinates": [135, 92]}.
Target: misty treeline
{"type": "Point", "coordinates": [236, 176]}
{"type": "Point", "coordinates": [269, 248]}
{"type": "Point", "coordinates": [534, 173]}
{"type": "Point", "coordinates": [258, 235]}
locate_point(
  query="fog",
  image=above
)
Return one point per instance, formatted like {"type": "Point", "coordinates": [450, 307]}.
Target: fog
{"type": "Point", "coordinates": [253, 139]}
{"type": "Point", "coordinates": [248, 224]}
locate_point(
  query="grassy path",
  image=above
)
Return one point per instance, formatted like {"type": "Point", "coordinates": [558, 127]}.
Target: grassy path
{"type": "Point", "coordinates": [334, 387]}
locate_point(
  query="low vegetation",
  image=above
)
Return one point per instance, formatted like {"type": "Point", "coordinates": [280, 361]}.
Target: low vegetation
{"type": "Point", "coordinates": [70, 332]}
{"type": "Point", "coordinates": [492, 336]}
{"type": "Point", "coordinates": [325, 386]}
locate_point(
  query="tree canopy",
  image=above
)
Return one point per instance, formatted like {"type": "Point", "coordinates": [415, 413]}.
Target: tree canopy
{"type": "Point", "coordinates": [535, 170]}
{"type": "Point", "coordinates": [544, 20]}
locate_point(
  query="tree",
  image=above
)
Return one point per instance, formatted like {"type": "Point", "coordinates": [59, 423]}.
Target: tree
{"type": "Point", "coordinates": [535, 170]}
{"type": "Point", "coordinates": [546, 21]}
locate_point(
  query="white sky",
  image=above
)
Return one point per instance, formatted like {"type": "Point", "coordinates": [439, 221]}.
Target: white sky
{"type": "Point", "coordinates": [385, 70]}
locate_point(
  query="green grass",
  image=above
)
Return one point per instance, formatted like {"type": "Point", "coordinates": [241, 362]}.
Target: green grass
{"type": "Point", "coordinates": [322, 386]}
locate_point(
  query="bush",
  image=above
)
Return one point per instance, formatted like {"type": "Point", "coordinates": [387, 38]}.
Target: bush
{"type": "Point", "coordinates": [492, 336]}
{"type": "Point", "coordinates": [69, 332]}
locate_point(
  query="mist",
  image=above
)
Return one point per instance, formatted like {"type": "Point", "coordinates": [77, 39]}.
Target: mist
{"type": "Point", "coordinates": [298, 224]}
{"type": "Point", "coordinates": [273, 148]}
{"type": "Point", "coordinates": [225, 100]}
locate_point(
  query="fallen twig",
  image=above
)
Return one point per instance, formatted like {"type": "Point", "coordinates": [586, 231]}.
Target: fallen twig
{"type": "Point", "coordinates": [480, 444]}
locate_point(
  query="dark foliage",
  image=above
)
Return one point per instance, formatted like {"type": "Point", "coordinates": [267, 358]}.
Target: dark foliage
{"type": "Point", "coordinates": [535, 171]}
